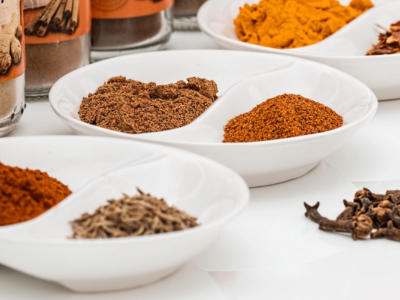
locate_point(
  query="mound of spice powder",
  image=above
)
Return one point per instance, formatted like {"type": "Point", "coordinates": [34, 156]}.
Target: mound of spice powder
{"type": "Point", "coordinates": [132, 216]}
{"type": "Point", "coordinates": [135, 107]}
{"type": "Point", "coordinates": [285, 24]}
{"type": "Point", "coordinates": [281, 117]}
{"type": "Point", "coordinates": [26, 194]}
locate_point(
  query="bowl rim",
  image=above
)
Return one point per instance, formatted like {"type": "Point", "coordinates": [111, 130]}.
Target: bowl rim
{"type": "Point", "coordinates": [202, 17]}
{"type": "Point", "coordinates": [53, 99]}
{"type": "Point", "coordinates": [240, 204]}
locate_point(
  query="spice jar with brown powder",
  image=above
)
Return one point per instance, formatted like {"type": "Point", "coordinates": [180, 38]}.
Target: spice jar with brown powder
{"type": "Point", "coordinates": [185, 14]}
{"type": "Point", "coordinates": [122, 27]}
{"type": "Point", "coordinates": [12, 65]}
{"type": "Point", "coordinates": [57, 41]}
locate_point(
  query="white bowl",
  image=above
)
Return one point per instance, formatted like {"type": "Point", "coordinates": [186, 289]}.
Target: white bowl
{"type": "Point", "coordinates": [259, 163]}
{"type": "Point", "coordinates": [40, 247]}
{"type": "Point", "coordinates": [344, 50]}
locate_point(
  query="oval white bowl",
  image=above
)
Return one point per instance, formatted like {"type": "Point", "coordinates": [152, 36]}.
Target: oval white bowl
{"type": "Point", "coordinates": [259, 163]}
{"type": "Point", "coordinates": [98, 169]}
{"type": "Point", "coordinates": [344, 50]}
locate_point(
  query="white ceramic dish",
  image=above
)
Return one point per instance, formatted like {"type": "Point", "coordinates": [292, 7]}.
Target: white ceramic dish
{"type": "Point", "coordinates": [39, 247]}
{"type": "Point", "coordinates": [344, 50]}
{"type": "Point", "coordinates": [260, 163]}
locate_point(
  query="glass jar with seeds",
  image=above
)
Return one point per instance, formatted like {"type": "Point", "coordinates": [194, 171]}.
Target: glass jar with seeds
{"type": "Point", "coordinates": [12, 65]}
{"type": "Point", "coordinates": [57, 41]}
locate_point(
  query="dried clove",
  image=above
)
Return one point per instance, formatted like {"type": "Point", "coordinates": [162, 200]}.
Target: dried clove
{"type": "Point", "coordinates": [368, 211]}
{"type": "Point", "coordinates": [390, 232]}
{"type": "Point", "coordinates": [312, 213]}
{"type": "Point", "coordinates": [372, 214]}
{"type": "Point", "coordinates": [368, 194]}
{"type": "Point", "coordinates": [393, 196]}
{"type": "Point", "coordinates": [382, 216]}
{"type": "Point", "coordinates": [386, 204]}
{"type": "Point", "coordinates": [359, 226]}
{"type": "Point", "coordinates": [364, 204]}
{"type": "Point", "coordinates": [336, 225]}
{"type": "Point", "coordinates": [395, 216]}
{"type": "Point", "coordinates": [349, 211]}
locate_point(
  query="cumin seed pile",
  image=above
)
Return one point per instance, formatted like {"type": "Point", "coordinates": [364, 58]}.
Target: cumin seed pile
{"type": "Point", "coordinates": [132, 216]}
{"type": "Point", "coordinates": [135, 107]}
{"type": "Point", "coordinates": [281, 117]}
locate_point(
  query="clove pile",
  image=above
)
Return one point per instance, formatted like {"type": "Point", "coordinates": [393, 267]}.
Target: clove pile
{"type": "Point", "coordinates": [368, 211]}
{"type": "Point", "coordinates": [389, 42]}
{"type": "Point", "coordinates": [132, 216]}
{"type": "Point", "coordinates": [57, 16]}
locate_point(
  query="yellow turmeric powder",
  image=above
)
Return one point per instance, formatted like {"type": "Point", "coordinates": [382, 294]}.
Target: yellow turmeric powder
{"type": "Point", "coordinates": [285, 24]}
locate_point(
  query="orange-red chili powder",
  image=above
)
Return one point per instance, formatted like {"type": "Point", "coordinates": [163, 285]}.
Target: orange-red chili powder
{"type": "Point", "coordinates": [25, 194]}
{"type": "Point", "coordinates": [281, 117]}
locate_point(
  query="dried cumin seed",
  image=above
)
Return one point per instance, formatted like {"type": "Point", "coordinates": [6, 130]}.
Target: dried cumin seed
{"type": "Point", "coordinates": [132, 216]}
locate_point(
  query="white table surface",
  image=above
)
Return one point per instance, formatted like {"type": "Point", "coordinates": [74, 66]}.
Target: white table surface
{"type": "Point", "coordinates": [271, 251]}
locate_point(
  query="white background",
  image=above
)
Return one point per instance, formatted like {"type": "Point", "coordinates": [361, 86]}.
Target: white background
{"type": "Point", "coordinates": [271, 251]}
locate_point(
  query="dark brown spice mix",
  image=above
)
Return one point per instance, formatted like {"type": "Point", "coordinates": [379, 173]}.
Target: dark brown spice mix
{"type": "Point", "coordinates": [135, 107]}
{"type": "Point", "coordinates": [132, 216]}
{"type": "Point", "coordinates": [281, 117]}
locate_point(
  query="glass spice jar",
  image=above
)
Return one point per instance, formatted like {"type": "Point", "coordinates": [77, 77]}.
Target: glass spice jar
{"type": "Point", "coordinates": [185, 14]}
{"type": "Point", "coordinates": [57, 41]}
{"type": "Point", "coordinates": [122, 27]}
{"type": "Point", "coordinates": [12, 65]}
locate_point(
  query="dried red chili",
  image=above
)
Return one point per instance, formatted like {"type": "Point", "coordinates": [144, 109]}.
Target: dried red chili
{"type": "Point", "coordinates": [281, 117]}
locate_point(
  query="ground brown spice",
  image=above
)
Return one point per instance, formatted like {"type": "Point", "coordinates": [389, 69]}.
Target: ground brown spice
{"type": "Point", "coordinates": [46, 63]}
{"type": "Point", "coordinates": [8, 97]}
{"type": "Point", "coordinates": [281, 117]}
{"type": "Point", "coordinates": [135, 107]}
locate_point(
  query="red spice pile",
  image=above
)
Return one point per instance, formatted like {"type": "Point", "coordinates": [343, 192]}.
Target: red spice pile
{"type": "Point", "coordinates": [135, 107]}
{"type": "Point", "coordinates": [25, 194]}
{"type": "Point", "coordinates": [281, 117]}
